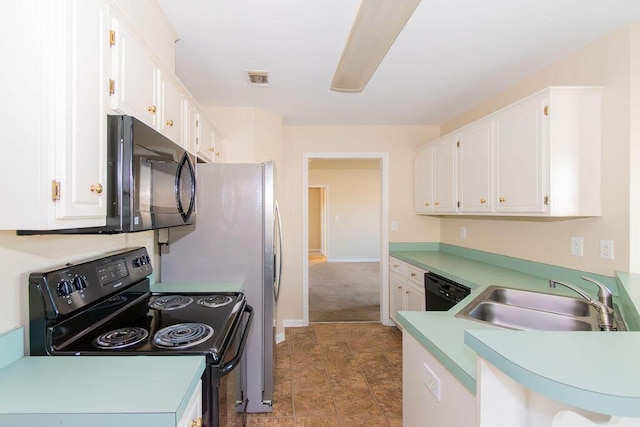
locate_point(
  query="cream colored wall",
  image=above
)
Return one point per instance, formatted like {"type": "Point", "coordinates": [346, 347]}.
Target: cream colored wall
{"type": "Point", "coordinates": [353, 217]}
{"type": "Point", "coordinates": [605, 62]}
{"type": "Point", "coordinates": [236, 124]}
{"type": "Point", "coordinates": [634, 156]}
{"type": "Point", "coordinates": [22, 255]}
{"type": "Point", "coordinates": [398, 141]}
{"type": "Point", "coordinates": [314, 220]}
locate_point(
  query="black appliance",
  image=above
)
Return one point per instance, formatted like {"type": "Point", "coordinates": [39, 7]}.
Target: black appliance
{"type": "Point", "coordinates": [441, 293]}
{"type": "Point", "coordinates": [150, 183]}
{"type": "Point", "coordinates": [104, 306]}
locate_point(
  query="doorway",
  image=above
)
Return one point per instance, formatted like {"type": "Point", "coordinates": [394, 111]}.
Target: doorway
{"type": "Point", "coordinates": [345, 216]}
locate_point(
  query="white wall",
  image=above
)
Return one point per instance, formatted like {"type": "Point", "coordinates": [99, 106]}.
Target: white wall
{"type": "Point", "coordinates": [353, 217]}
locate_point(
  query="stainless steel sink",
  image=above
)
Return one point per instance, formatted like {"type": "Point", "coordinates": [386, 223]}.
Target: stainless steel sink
{"type": "Point", "coordinates": [514, 317]}
{"type": "Point", "coordinates": [539, 301]}
{"type": "Point", "coordinates": [536, 311]}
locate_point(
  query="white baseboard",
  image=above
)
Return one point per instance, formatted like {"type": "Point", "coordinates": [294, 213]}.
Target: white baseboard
{"type": "Point", "coordinates": [279, 338]}
{"type": "Point", "coordinates": [289, 323]}
{"type": "Point", "coordinates": [315, 251]}
{"type": "Point", "coordinates": [353, 260]}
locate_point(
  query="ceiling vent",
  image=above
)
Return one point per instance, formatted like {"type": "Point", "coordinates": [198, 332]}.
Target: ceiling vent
{"type": "Point", "coordinates": [258, 78]}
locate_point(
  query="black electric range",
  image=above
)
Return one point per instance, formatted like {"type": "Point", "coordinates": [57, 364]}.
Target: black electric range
{"type": "Point", "coordinates": [104, 306]}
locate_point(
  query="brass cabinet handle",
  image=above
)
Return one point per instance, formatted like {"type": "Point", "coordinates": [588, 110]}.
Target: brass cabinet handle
{"type": "Point", "coordinates": [197, 422]}
{"type": "Point", "coordinates": [483, 201]}
{"type": "Point", "coordinates": [169, 122]}
{"type": "Point", "coordinates": [502, 199]}
{"type": "Point", "coordinates": [97, 188]}
{"type": "Point", "coordinates": [151, 108]}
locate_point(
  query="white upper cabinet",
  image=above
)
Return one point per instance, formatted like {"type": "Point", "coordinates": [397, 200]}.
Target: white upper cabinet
{"type": "Point", "coordinates": [171, 105]}
{"type": "Point", "coordinates": [475, 163]}
{"type": "Point", "coordinates": [537, 157]}
{"type": "Point", "coordinates": [55, 148]}
{"type": "Point", "coordinates": [207, 141]}
{"type": "Point", "coordinates": [423, 186]}
{"type": "Point", "coordinates": [445, 180]}
{"type": "Point", "coordinates": [521, 179]}
{"type": "Point", "coordinates": [134, 88]}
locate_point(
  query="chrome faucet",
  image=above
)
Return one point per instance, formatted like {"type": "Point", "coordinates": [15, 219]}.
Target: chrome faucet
{"type": "Point", "coordinates": [604, 304]}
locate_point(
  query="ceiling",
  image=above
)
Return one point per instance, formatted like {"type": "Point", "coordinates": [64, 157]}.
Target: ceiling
{"type": "Point", "coordinates": [451, 55]}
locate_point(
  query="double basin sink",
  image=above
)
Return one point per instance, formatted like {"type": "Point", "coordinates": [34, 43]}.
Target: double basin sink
{"type": "Point", "coordinates": [534, 311]}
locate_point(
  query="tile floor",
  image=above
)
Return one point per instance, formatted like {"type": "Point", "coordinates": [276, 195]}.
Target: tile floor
{"type": "Point", "coordinates": [335, 374]}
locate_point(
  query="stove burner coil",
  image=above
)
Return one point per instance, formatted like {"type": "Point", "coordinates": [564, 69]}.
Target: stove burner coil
{"type": "Point", "coordinates": [121, 338]}
{"type": "Point", "coordinates": [214, 301]}
{"type": "Point", "coordinates": [182, 335]}
{"type": "Point", "coordinates": [170, 302]}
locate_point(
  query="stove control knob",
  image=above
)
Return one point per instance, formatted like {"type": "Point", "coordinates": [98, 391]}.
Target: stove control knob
{"type": "Point", "coordinates": [148, 259]}
{"type": "Point", "coordinates": [136, 262]}
{"type": "Point", "coordinates": [65, 287]}
{"type": "Point", "coordinates": [80, 282]}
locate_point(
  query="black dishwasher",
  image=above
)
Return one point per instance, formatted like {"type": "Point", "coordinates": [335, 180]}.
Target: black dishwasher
{"type": "Point", "coordinates": [441, 293]}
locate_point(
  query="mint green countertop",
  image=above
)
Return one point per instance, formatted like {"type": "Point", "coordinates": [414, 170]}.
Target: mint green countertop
{"type": "Point", "coordinates": [196, 287]}
{"type": "Point", "coordinates": [444, 335]}
{"type": "Point", "coordinates": [125, 391]}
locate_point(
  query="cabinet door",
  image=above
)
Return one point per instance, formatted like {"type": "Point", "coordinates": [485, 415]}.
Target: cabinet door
{"type": "Point", "coordinates": [520, 158]}
{"type": "Point", "coordinates": [396, 296]}
{"type": "Point", "coordinates": [193, 411]}
{"type": "Point", "coordinates": [206, 149]}
{"type": "Point", "coordinates": [414, 298]}
{"type": "Point", "coordinates": [475, 168]}
{"type": "Point", "coordinates": [170, 109]}
{"type": "Point", "coordinates": [190, 126]}
{"type": "Point", "coordinates": [423, 171]}
{"type": "Point", "coordinates": [81, 143]}
{"type": "Point", "coordinates": [134, 76]}
{"type": "Point", "coordinates": [445, 175]}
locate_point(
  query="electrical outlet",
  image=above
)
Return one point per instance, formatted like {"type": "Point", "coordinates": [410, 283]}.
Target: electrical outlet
{"type": "Point", "coordinates": [577, 246]}
{"type": "Point", "coordinates": [606, 249]}
{"type": "Point", "coordinates": [394, 225]}
{"type": "Point", "coordinates": [463, 232]}
{"type": "Point", "coordinates": [431, 381]}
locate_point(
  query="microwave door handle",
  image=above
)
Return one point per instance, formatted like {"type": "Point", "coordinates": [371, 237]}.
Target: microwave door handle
{"type": "Point", "coordinates": [185, 163]}
{"type": "Point", "coordinates": [278, 254]}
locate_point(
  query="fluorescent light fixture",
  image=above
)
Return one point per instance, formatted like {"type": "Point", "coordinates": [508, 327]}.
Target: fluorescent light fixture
{"type": "Point", "coordinates": [376, 27]}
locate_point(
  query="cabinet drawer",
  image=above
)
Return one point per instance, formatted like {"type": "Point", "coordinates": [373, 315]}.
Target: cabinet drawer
{"type": "Point", "coordinates": [398, 267]}
{"type": "Point", "coordinates": [416, 275]}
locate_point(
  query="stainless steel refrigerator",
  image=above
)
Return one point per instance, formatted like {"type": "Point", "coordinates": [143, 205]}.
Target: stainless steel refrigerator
{"type": "Point", "coordinates": [236, 239]}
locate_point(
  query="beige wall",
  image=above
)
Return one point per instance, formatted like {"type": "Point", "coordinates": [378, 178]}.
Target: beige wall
{"type": "Point", "coordinates": [22, 255]}
{"type": "Point", "coordinates": [315, 227]}
{"type": "Point", "coordinates": [398, 141]}
{"type": "Point", "coordinates": [606, 63]}
{"type": "Point", "coordinates": [634, 155]}
{"type": "Point", "coordinates": [354, 209]}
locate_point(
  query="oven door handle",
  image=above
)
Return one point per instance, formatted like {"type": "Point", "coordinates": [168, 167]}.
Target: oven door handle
{"type": "Point", "coordinates": [228, 367]}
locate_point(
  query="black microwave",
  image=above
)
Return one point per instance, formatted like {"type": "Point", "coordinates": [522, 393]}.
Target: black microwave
{"type": "Point", "coordinates": [151, 181]}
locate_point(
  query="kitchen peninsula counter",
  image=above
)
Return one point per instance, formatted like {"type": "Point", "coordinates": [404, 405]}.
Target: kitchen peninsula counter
{"type": "Point", "coordinates": [519, 354]}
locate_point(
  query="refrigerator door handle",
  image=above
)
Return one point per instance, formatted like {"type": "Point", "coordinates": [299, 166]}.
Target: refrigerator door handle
{"type": "Point", "coordinates": [277, 253]}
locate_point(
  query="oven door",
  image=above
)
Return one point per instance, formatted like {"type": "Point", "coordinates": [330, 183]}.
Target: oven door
{"type": "Point", "coordinates": [164, 181]}
{"type": "Point", "coordinates": [232, 377]}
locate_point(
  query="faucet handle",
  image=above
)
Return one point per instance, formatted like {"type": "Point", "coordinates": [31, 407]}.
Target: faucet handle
{"type": "Point", "coordinates": [604, 293]}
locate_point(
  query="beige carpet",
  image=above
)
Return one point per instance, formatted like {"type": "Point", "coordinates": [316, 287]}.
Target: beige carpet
{"type": "Point", "coordinates": [344, 292]}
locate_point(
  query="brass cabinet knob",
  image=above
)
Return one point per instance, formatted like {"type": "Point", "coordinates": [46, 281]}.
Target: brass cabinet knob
{"type": "Point", "coordinates": [395, 266]}
{"type": "Point", "coordinates": [483, 201]}
{"type": "Point", "coordinates": [399, 287]}
{"type": "Point", "coordinates": [437, 203]}
{"type": "Point", "coordinates": [217, 154]}
{"type": "Point", "coordinates": [197, 422]}
{"type": "Point", "coordinates": [212, 149]}
{"type": "Point", "coordinates": [151, 108]}
{"type": "Point", "coordinates": [413, 274]}
{"type": "Point", "coordinates": [96, 187]}
{"type": "Point", "coordinates": [427, 204]}
{"type": "Point", "coordinates": [502, 199]}
{"type": "Point", "coordinates": [169, 122]}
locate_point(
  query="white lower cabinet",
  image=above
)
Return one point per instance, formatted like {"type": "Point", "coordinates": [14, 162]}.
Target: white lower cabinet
{"type": "Point", "coordinates": [406, 288]}
{"type": "Point", "coordinates": [454, 404]}
{"type": "Point", "coordinates": [192, 415]}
